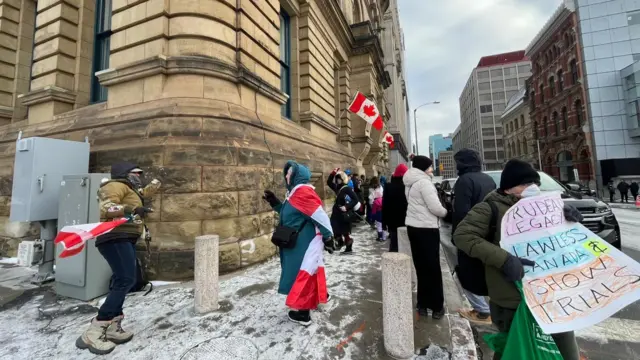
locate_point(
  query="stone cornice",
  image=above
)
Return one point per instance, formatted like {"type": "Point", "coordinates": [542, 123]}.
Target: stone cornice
{"type": "Point", "coordinates": [199, 65]}
{"type": "Point", "coordinates": [332, 12]}
{"type": "Point", "coordinates": [367, 42]}
{"type": "Point", "coordinates": [47, 93]}
{"type": "Point", "coordinates": [315, 119]}
{"type": "Point", "coordinates": [6, 112]}
{"type": "Point", "coordinates": [363, 139]}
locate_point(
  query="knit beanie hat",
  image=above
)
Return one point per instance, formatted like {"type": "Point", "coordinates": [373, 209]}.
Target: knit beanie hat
{"type": "Point", "coordinates": [517, 172]}
{"type": "Point", "coordinates": [400, 170]}
{"type": "Point", "coordinates": [421, 162]}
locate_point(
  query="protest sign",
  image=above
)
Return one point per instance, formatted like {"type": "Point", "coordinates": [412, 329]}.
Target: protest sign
{"type": "Point", "coordinates": [579, 279]}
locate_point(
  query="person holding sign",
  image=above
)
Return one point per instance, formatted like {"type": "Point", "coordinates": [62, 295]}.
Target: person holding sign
{"type": "Point", "coordinates": [519, 180]}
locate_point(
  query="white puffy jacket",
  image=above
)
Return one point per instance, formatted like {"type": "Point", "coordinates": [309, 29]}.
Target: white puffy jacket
{"type": "Point", "coordinates": [424, 208]}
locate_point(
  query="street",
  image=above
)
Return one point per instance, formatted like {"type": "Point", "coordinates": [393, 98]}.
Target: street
{"type": "Point", "coordinates": [617, 338]}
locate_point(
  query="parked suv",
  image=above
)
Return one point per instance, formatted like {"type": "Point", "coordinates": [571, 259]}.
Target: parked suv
{"type": "Point", "coordinates": [598, 216]}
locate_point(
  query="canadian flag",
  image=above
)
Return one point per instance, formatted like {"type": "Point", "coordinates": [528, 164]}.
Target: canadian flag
{"type": "Point", "coordinates": [367, 110]}
{"type": "Point", "coordinates": [388, 138]}
{"type": "Point", "coordinates": [73, 237]}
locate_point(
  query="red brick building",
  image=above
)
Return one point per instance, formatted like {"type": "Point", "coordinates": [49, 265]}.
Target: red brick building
{"type": "Point", "coordinates": [557, 98]}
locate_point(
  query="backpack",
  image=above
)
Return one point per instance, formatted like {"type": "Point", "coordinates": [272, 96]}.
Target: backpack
{"type": "Point", "coordinates": [470, 270]}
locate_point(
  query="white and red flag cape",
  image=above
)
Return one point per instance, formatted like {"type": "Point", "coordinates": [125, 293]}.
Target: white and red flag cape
{"type": "Point", "coordinates": [367, 110]}
{"type": "Point", "coordinates": [388, 138]}
{"type": "Point", "coordinates": [74, 237]}
{"type": "Point", "coordinates": [310, 286]}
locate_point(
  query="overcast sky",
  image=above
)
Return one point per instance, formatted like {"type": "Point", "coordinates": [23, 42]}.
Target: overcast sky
{"type": "Point", "coordinates": [444, 41]}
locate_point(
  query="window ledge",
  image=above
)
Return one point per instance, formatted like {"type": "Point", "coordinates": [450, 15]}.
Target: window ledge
{"type": "Point", "coordinates": [47, 93]}
{"type": "Point", "coordinates": [308, 118]}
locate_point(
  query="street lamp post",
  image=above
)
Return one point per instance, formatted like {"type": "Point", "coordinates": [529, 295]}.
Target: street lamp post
{"type": "Point", "coordinates": [415, 121]}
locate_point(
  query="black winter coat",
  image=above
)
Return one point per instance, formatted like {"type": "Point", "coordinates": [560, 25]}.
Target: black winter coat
{"type": "Point", "coordinates": [634, 187]}
{"type": "Point", "coordinates": [623, 187]}
{"type": "Point", "coordinates": [394, 205]}
{"type": "Point", "coordinates": [470, 189]}
{"type": "Point", "coordinates": [345, 196]}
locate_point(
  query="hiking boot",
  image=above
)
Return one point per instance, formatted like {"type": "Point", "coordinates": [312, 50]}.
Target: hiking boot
{"type": "Point", "coordinates": [348, 250]}
{"type": "Point", "coordinates": [95, 338]}
{"type": "Point", "coordinates": [302, 317]}
{"type": "Point", "coordinates": [437, 315]}
{"type": "Point", "coordinates": [116, 334]}
{"type": "Point", "coordinates": [475, 317]}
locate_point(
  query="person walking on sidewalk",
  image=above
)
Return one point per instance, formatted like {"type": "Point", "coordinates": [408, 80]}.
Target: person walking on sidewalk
{"type": "Point", "coordinates": [302, 212]}
{"type": "Point", "coordinates": [394, 206]}
{"type": "Point", "coordinates": [612, 191]}
{"type": "Point", "coordinates": [423, 212]}
{"type": "Point", "coordinates": [480, 239]}
{"type": "Point", "coordinates": [634, 190]}
{"type": "Point", "coordinates": [342, 213]}
{"type": "Point", "coordinates": [623, 187]}
{"type": "Point", "coordinates": [122, 196]}
{"type": "Point", "coordinates": [471, 188]}
{"type": "Point", "coordinates": [375, 199]}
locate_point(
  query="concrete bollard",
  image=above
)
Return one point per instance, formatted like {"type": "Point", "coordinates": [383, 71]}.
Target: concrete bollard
{"type": "Point", "coordinates": [397, 305]}
{"type": "Point", "coordinates": [404, 247]}
{"type": "Point", "coordinates": [206, 273]}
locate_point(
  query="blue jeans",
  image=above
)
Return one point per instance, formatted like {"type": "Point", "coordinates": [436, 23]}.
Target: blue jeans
{"type": "Point", "coordinates": [121, 257]}
{"type": "Point", "coordinates": [478, 303]}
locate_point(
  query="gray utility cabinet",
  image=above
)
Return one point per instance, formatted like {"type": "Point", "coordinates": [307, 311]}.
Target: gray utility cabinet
{"type": "Point", "coordinates": [84, 276]}
{"type": "Point", "coordinates": [39, 166]}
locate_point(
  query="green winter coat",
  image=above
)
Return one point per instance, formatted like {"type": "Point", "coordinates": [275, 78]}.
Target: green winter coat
{"type": "Point", "coordinates": [473, 238]}
{"type": "Point", "coordinates": [291, 259]}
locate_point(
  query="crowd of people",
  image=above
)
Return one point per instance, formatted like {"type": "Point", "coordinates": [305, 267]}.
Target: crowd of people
{"type": "Point", "coordinates": [623, 187]}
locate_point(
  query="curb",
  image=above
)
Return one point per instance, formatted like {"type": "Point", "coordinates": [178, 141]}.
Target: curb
{"type": "Point", "coordinates": [623, 206]}
{"type": "Point", "coordinates": [463, 344]}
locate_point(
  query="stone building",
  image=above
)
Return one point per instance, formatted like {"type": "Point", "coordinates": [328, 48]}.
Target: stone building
{"type": "Point", "coordinates": [517, 130]}
{"type": "Point", "coordinates": [396, 95]}
{"type": "Point", "coordinates": [210, 96]}
{"type": "Point", "coordinates": [557, 98]}
{"type": "Point", "coordinates": [483, 100]}
{"type": "Point", "coordinates": [447, 165]}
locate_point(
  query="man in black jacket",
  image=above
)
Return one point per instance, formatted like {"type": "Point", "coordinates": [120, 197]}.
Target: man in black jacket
{"type": "Point", "coordinates": [394, 206]}
{"type": "Point", "coordinates": [471, 188]}
{"type": "Point", "coordinates": [623, 187]}
{"type": "Point", "coordinates": [634, 190]}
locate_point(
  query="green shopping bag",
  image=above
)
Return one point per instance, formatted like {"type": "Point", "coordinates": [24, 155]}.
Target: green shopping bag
{"type": "Point", "coordinates": [525, 340]}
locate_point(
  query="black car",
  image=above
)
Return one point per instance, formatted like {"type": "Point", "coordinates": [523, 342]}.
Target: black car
{"type": "Point", "coordinates": [598, 216]}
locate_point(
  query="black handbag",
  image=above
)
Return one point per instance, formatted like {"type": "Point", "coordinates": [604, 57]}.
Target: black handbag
{"type": "Point", "coordinates": [286, 237]}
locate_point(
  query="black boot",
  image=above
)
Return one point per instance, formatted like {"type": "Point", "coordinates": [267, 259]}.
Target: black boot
{"type": "Point", "coordinates": [437, 315]}
{"type": "Point", "coordinates": [302, 317]}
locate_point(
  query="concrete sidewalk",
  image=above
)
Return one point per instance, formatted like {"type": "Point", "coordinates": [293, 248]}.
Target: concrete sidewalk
{"type": "Point", "coordinates": [251, 324]}
{"type": "Point", "coordinates": [627, 206]}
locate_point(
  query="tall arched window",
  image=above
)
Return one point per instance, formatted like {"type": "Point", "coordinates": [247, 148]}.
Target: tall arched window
{"type": "Point", "coordinates": [535, 130]}
{"type": "Point", "coordinates": [556, 122]}
{"type": "Point", "coordinates": [573, 65]}
{"type": "Point", "coordinates": [560, 80]}
{"type": "Point", "coordinates": [518, 151]}
{"type": "Point", "coordinates": [521, 120]}
{"type": "Point", "coordinates": [552, 86]}
{"type": "Point", "coordinates": [579, 113]}
{"type": "Point", "coordinates": [565, 119]}
{"type": "Point", "coordinates": [285, 61]}
{"type": "Point", "coordinates": [525, 149]}
{"type": "Point", "coordinates": [541, 93]}
{"type": "Point", "coordinates": [357, 12]}
{"type": "Point", "coordinates": [545, 122]}
{"type": "Point", "coordinates": [101, 48]}
{"type": "Point", "coordinates": [515, 123]}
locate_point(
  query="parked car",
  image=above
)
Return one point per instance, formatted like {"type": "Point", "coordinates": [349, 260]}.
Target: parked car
{"type": "Point", "coordinates": [447, 193]}
{"type": "Point", "coordinates": [598, 216]}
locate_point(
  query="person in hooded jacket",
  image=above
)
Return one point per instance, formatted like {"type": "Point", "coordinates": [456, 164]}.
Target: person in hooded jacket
{"type": "Point", "coordinates": [375, 199]}
{"type": "Point", "coordinates": [394, 206]}
{"type": "Point", "coordinates": [308, 227]}
{"type": "Point", "coordinates": [424, 211]}
{"type": "Point", "coordinates": [473, 236]}
{"type": "Point", "coordinates": [346, 201]}
{"type": "Point", "coordinates": [471, 188]}
{"type": "Point", "coordinates": [122, 196]}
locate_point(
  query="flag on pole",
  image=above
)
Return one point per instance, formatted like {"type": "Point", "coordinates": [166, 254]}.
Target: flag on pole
{"type": "Point", "coordinates": [388, 138]}
{"type": "Point", "coordinates": [310, 286]}
{"type": "Point", "coordinates": [74, 237]}
{"type": "Point", "coordinates": [367, 110]}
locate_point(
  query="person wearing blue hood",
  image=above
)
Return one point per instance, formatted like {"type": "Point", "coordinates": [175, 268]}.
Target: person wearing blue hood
{"type": "Point", "coordinates": [303, 213]}
{"type": "Point", "coordinates": [350, 182]}
{"type": "Point", "coordinates": [383, 181]}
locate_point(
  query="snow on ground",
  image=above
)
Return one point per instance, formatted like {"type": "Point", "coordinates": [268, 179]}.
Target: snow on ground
{"type": "Point", "coordinates": [251, 322]}
{"type": "Point", "coordinates": [9, 261]}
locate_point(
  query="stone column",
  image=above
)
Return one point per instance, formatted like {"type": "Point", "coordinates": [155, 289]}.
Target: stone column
{"type": "Point", "coordinates": [397, 305]}
{"type": "Point", "coordinates": [206, 273]}
{"type": "Point", "coordinates": [404, 247]}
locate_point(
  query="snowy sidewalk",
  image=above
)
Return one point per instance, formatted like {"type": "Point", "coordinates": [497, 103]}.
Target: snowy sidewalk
{"type": "Point", "coordinates": [251, 324]}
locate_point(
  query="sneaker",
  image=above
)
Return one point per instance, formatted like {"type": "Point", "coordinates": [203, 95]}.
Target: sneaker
{"type": "Point", "coordinates": [437, 315]}
{"type": "Point", "coordinates": [475, 317]}
{"type": "Point", "coordinates": [95, 338]}
{"type": "Point", "coordinates": [116, 334]}
{"type": "Point", "coordinates": [301, 317]}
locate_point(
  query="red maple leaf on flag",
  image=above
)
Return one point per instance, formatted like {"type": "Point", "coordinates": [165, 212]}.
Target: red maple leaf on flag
{"type": "Point", "coordinates": [369, 110]}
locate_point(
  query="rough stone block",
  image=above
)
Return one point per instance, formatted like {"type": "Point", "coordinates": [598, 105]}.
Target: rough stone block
{"type": "Point", "coordinates": [186, 46]}
{"type": "Point", "coordinates": [57, 28]}
{"type": "Point", "coordinates": [397, 305]}
{"type": "Point", "coordinates": [134, 131]}
{"type": "Point", "coordinates": [254, 157]}
{"type": "Point", "coordinates": [185, 25]}
{"type": "Point", "coordinates": [200, 155]}
{"type": "Point", "coordinates": [206, 274]}
{"type": "Point", "coordinates": [256, 250]}
{"type": "Point", "coordinates": [182, 126]}
{"type": "Point", "coordinates": [233, 229]}
{"type": "Point", "coordinates": [179, 207]}
{"type": "Point", "coordinates": [211, 8]}
{"type": "Point", "coordinates": [251, 202]}
{"type": "Point", "coordinates": [184, 86]}
{"type": "Point", "coordinates": [219, 179]}
{"type": "Point", "coordinates": [220, 89]}
{"type": "Point", "coordinates": [229, 257]}
{"type": "Point", "coordinates": [60, 11]}
{"type": "Point", "coordinates": [174, 236]}
{"type": "Point", "coordinates": [267, 222]}
{"type": "Point", "coordinates": [5, 205]}
{"type": "Point", "coordinates": [174, 265]}
{"type": "Point", "coordinates": [142, 156]}
{"type": "Point", "coordinates": [58, 79]}
{"type": "Point", "coordinates": [124, 94]}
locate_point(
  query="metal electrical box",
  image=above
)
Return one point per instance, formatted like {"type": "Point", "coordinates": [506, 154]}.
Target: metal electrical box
{"type": "Point", "coordinates": [38, 169]}
{"type": "Point", "coordinates": [84, 276]}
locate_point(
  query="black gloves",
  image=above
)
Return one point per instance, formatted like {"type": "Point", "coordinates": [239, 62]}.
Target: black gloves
{"type": "Point", "coordinates": [271, 198]}
{"type": "Point", "coordinates": [572, 214]}
{"type": "Point", "coordinates": [329, 245]}
{"type": "Point", "coordinates": [142, 211]}
{"type": "Point", "coordinates": [513, 268]}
